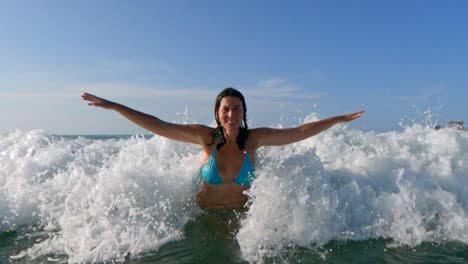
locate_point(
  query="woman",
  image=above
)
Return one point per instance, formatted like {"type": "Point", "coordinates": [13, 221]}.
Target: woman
{"type": "Point", "coordinates": [228, 149]}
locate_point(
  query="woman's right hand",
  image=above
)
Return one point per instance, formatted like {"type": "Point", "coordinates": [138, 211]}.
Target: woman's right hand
{"type": "Point", "coordinates": [96, 101]}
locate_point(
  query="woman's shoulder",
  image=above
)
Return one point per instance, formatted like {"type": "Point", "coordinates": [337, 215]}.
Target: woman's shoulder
{"type": "Point", "coordinates": [255, 134]}
{"type": "Point", "coordinates": [206, 132]}
{"type": "Point", "coordinates": [266, 136]}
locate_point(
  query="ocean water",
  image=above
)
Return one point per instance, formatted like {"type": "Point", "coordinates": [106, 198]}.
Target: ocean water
{"type": "Point", "coordinates": [343, 196]}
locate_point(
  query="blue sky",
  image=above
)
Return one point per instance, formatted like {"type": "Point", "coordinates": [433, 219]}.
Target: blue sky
{"type": "Point", "coordinates": [394, 59]}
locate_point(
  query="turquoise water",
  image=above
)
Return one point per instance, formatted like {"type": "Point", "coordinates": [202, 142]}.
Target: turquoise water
{"type": "Point", "coordinates": [344, 196]}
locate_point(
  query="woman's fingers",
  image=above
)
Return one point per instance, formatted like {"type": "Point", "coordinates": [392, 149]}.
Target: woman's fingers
{"type": "Point", "coordinates": [94, 100]}
{"type": "Point", "coordinates": [354, 115]}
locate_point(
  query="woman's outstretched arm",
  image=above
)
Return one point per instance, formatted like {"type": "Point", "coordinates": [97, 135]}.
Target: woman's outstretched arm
{"type": "Point", "coordinates": [282, 136]}
{"type": "Point", "coordinates": [195, 133]}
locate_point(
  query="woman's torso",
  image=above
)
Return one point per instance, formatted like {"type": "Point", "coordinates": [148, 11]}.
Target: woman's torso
{"type": "Point", "coordinates": [229, 160]}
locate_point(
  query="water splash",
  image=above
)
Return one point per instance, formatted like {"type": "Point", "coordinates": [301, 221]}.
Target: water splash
{"type": "Point", "coordinates": [91, 200]}
{"type": "Point", "coordinates": [403, 186]}
{"type": "Point", "coordinates": [96, 199]}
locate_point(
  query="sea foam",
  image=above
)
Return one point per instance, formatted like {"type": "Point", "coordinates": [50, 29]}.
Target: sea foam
{"type": "Point", "coordinates": [346, 184]}
{"type": "Point", "coordinates": [104, 199]}
{"type": "Point", "coordinates": [96, 199]}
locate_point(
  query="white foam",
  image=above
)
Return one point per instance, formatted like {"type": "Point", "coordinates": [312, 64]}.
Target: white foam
{"type": "Point", "coordinates": [406, 186]}
{"type": "Point", "coordinates": [100, 200]}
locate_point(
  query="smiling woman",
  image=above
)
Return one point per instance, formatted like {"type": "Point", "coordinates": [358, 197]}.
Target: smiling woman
{"type": "Point", "coordinates": [228, 149]}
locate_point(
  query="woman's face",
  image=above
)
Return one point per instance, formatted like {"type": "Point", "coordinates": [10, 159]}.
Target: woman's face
{"type": "Point", "coordinates": [230, 112]}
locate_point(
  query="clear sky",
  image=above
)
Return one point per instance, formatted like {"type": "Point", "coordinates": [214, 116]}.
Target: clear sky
{"type": "Point", "coordinates": [394, 59]}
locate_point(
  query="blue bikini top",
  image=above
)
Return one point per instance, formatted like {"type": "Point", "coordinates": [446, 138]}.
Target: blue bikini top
{"type": "Point", "coordinates": [209, 171]}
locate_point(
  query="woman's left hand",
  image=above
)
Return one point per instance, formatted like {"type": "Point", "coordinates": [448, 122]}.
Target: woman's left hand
{"type": "Point", "coordinates": [352, 116]}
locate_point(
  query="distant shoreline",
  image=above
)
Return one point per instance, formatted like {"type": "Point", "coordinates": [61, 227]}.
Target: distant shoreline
{"type": "Point", "coordinates": [104, 136]}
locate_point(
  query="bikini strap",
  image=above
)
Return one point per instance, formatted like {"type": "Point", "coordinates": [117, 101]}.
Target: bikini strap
{"type": "Point", "coordinates": [214, 150]}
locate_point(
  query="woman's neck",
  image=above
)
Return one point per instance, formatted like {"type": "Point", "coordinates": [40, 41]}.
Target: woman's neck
{"type": "Point", "coordinates": [231, 136]}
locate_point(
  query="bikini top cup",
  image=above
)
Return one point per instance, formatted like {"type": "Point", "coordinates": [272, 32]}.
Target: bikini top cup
{"type": "Point", "coordinates": [209, 171]}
